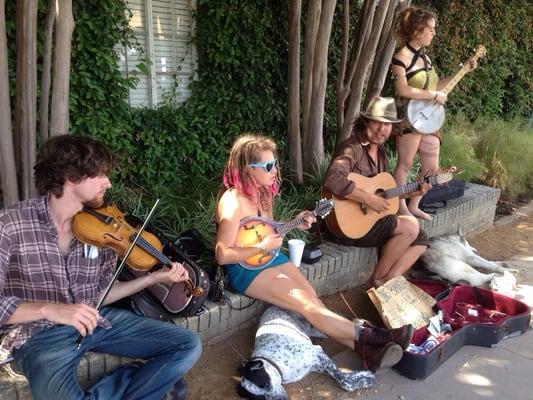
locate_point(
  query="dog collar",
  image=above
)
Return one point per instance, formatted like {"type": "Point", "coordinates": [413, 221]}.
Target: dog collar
{"type": "Point", "coordinates": [271, 362]}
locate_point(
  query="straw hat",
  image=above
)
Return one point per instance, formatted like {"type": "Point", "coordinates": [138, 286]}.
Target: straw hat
{"type": "Point", "coordinates": [382, 109]}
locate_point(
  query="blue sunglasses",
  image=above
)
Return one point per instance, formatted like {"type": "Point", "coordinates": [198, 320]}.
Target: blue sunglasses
{"type": "Point", "coordinates": [267, 165]}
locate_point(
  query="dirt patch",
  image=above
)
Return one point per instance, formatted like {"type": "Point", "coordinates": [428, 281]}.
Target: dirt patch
{"type": "Point", "coordinates": [216, 375]}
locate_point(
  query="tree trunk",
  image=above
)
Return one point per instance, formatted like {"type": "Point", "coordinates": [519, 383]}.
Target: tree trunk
{"type": "Point", "coordinates": [315, 148]}
{"type": "Point", "coordinates": [311, 32]}
{"type": "Point", "coordinates": [295, 144]}
{"type": "Point", "coordinates": [340, 87]}
{"type": "Point", "coordinates": [26, 86]}
{"type": "Point", "coordinates": [60, 90]}
{"type": "Point", "coordinates": [45, 78]}
{"type": "Point", "coordinates": [344, 80]}
{"type": "Point", "coordinates": [363, 61]}
{"type": "Point", "coordinates": [384, 53]}
{"type": "Point", "coordinates": [8, 170]}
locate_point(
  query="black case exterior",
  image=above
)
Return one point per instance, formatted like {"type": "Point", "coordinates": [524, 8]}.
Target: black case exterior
{"type": "Point", "coordinates": [420, 366]}
{"type": "Point", "coordinates": [443, 193]}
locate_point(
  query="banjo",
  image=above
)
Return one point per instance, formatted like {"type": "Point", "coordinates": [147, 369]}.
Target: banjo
{"type": "Point", "coordinates": [427, 116]}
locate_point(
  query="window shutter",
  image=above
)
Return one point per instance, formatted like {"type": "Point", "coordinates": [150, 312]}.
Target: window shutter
{"type": "Point", "coordinates": [163, 30]}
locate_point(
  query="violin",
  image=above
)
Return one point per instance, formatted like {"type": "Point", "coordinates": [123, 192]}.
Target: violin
{"type": "Point", "coordinates": [107, 227]}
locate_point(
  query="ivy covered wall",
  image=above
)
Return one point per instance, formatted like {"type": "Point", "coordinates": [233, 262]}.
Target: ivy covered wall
{"type": "Point", "coordinates": [242, 85]}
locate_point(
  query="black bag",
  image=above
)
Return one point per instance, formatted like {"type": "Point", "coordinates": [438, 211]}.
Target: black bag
{"type": "Point", "coordinates": [164, 302]}
{"type": "Point", "coordinates": [437, 197]}
{"type": "Point", "coordinates": [192, 243]}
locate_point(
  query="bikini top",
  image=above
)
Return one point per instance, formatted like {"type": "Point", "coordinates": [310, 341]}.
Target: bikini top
{"type": "Point", "coordinates": [421, 78]}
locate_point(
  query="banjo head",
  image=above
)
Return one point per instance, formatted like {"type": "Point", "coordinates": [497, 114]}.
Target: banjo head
{"type": "Point", "coordinates": [424, 116]}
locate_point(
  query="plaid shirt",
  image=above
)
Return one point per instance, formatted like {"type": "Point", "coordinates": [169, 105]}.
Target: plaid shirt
{"type": "Point", "coordinates": [32, 269]}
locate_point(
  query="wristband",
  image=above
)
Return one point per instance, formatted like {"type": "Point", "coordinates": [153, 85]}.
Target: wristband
{"type": "Point", "coordinates": [436, 95]}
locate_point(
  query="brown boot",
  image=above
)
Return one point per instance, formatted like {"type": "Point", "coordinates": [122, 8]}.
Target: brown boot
{"type": "Point", "coordinates": [380, 336]}
{"type": "Point", "coordinates": [376, 358]}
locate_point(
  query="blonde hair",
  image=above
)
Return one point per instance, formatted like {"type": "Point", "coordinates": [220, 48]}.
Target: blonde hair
{"type": "Point", "coordinates": [247, 149]}
{"type": "Point", "coordinates": [410, 22]}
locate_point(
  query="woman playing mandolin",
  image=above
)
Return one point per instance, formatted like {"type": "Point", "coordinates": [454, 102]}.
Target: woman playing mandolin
{"type": "Point", "coordinates": [415, 78]}
{"type": "Point", "coordinates": [250, 184]}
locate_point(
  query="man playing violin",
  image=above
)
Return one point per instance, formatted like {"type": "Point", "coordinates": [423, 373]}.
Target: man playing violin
{"type": "Point", "coordinates": [50, 283]}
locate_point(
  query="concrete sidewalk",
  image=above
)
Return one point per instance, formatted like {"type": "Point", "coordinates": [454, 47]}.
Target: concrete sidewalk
{"type": "Point", "coordinates": [500, 373]}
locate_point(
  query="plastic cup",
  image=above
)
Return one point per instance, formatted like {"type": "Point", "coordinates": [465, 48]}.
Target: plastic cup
{"type": "Point", "coordinates": [296, 250]}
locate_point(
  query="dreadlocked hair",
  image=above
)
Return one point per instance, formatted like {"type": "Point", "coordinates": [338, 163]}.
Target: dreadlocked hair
{"type": "Point", "coordinates": [410, 22]}
{"type": "Point", "coordinates": [245, 150]}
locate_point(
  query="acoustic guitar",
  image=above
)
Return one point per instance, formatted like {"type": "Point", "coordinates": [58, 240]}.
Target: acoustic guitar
{"type": "Point", "coordinates": [254, 229]}
{"type": "Point", "coordinates": [353, 220]}
{"type": "Point", "coordinates": [427, 116]}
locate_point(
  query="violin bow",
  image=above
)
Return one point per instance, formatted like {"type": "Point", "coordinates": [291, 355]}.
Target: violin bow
{"type": "Point", "coordinates": [121, 265]}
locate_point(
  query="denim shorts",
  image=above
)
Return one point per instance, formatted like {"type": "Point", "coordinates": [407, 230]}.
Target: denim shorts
{"type": "Point", "coordinates": [240, 278]}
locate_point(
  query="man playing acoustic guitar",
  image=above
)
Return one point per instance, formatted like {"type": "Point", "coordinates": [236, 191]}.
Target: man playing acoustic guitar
{"type": "Point", "coordinates": [399, 238]}
{"type": "Point", "coordinates": [50, 283]}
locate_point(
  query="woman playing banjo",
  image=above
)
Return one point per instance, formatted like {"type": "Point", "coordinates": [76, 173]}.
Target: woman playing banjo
{"type": "Point", "coordinates": [415, 78]}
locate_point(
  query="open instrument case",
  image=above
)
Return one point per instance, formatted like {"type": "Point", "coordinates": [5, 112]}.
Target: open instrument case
{"type": "Point", "coordinates": [477, 317]}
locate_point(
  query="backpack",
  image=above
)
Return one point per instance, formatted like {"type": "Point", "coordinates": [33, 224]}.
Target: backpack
{"type": "Point", "coordinates": [438, 196]}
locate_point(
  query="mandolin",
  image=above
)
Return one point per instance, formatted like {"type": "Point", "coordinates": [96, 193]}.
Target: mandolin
{"type": "Point", "coordinates": [353, 220]}
{"type": "Point", "coordinates": [427, 116]}
{"type": "Point", "coordinates": [253, 230]}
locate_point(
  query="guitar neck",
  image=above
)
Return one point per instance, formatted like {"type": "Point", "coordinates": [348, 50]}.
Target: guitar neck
{"type": "Point", "coordinates": [408, 188]}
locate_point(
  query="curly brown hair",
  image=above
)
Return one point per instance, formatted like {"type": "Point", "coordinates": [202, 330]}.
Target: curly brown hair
{"type": "Point", "coordinates": [70, 157]}
{"type": "Point", "coordinates": [411, 22]}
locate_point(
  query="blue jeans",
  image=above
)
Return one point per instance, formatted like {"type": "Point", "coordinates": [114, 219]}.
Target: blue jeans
{"type": "Point", "coordinates": [50, 358]}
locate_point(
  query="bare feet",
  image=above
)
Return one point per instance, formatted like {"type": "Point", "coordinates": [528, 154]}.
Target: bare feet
{"type": "Point", "coordinates": [405, 211]}
{"type": "Point", "coordinates": [417, 212]}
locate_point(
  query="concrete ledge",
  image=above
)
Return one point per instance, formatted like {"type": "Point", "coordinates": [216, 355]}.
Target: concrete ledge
{"type": "Point", "coordinates": [341, 267]}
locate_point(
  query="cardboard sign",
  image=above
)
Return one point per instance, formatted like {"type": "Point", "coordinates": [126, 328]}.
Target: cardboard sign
{"type": "Point", "coordinates": [400, 302]}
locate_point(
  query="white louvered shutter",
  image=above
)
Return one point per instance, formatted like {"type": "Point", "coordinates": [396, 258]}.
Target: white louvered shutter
{"type": "Point", "coordinates": [163, 30]}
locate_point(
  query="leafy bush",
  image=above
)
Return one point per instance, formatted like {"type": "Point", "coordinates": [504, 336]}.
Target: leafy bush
{"type": "Point", "coordinates": [457, 149]}
{"type": "Point", "coordinates": [506, 149]}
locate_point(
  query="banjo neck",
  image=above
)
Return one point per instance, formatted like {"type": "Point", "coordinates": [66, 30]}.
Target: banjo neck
{"type": "Point", "coordinates": [456, 78]}
{"type": "Point", "coordinates": [480, 52]}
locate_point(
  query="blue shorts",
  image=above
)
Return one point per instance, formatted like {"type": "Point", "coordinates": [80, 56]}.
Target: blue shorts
{"type": "Point", "coordinates": [240, 278]}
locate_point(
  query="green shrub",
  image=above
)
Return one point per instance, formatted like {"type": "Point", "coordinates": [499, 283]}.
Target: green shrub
{"type": "Point", "coordinates": [506, 149]}
{"type": "Point", "coordinates": [457, 149]}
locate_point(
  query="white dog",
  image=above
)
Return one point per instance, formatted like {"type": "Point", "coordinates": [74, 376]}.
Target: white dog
{"type": "Point", "coordinates": [284, 353]}
{"type": "Point", "coordinates": [453, 258]}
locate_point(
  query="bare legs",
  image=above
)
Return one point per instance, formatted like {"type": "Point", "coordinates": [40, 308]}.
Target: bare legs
{"type": "Point", "coordinates": [286, 287]}
{"type": "Point", "coordinates": [428, 147]}
{"type": "Point", "coordinates": [397, 255]}
{"type": "Point", "coordinates": [407, 147]}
